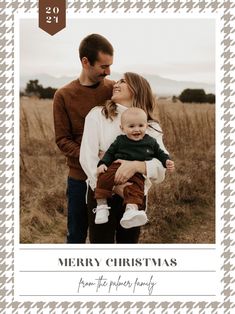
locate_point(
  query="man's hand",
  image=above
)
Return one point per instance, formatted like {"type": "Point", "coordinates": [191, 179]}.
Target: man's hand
{"type": "Point", "coordinates": [170, 165]}
{"type": "Point", "coordinates": [101, 169]}
{"type": "Point", "coordinates": [118, 189]}
{"type": "Point", "coordinates": [127, 170]}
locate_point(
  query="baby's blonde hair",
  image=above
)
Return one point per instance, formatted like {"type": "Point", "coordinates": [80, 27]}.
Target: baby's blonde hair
{"type": "Point", "coordinates": [133, 111]}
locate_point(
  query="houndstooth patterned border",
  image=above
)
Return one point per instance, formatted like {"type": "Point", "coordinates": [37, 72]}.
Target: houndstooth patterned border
{"type": "Point", "coordinates": [7, 304]}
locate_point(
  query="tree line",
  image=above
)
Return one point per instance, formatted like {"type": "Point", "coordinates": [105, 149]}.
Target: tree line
{"type": "Point", "coordinates": [33, 88]}
{"type": "Point", "coordinates": [196, 95]}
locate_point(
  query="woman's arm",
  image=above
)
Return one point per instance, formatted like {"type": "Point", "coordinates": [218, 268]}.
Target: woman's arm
{"type": "Point", "coordinates": [152, 169]}
{"type": "Point", "coordinates": [155, 170]}
{"type": "Point", "coordinates": [128, 169]}
{"type": "Point", "coordinates": [90, 148]}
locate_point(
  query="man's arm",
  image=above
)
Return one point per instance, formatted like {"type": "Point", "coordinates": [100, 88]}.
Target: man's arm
{"type": "Point", "coordinates": [63, 129]}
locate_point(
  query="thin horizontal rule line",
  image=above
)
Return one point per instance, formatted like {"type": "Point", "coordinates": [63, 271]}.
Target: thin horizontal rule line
{"type": "Point", "coordinates": [117, 295]}
{"type": "Point", "coordinates": [155, 249]}
{"type": "Point", "coordinates": [117, 271]}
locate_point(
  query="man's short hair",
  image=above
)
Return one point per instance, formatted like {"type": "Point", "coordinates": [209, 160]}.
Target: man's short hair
{"type": "Point", "coordinates": [91, 45]}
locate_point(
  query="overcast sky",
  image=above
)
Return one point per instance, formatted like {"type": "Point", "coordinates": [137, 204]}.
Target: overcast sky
{"type": "Point", "coordinates": [180, 49]}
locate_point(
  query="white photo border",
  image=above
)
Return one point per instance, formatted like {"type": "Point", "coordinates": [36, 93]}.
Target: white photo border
{"type": "Point", "coordinates": [8, 10]}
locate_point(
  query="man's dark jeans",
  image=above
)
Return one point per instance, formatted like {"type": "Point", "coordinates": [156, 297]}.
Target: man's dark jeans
{"type": "Point", "coordinates": [77, 211]}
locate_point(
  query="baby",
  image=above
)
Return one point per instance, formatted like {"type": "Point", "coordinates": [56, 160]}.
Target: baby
{"type": "Point", "coordinates": [133, 145]}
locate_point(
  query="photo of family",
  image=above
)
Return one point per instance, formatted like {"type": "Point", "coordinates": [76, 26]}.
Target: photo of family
{"type": "Point", "coordinates": [117, 131]}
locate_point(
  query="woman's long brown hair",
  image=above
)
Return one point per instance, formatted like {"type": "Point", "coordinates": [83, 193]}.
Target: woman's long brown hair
{"type": "Point", "coordinates": [142, 97]}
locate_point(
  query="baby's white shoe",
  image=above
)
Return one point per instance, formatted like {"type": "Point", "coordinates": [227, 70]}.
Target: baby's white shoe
{"type": "Point", "coordinates": [101, 214]}
{"type": "Point", "coordinates": [133, 218]}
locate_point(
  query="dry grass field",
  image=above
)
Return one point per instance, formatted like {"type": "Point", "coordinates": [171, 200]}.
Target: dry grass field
{"type": "Point", "coordinates": [181, 209]}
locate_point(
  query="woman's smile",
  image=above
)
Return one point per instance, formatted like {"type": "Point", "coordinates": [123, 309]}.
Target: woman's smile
{"type": "Point", "coordinates": [122, 93]}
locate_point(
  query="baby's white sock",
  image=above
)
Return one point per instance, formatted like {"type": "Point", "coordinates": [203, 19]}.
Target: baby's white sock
{"type": "Point", "coordinates": [101, 202]}
{"type": "Point", "coordinates": [131, 206]}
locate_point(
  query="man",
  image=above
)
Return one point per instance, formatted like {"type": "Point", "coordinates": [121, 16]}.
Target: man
{"type": "Point", "coordinates": [71, 105]}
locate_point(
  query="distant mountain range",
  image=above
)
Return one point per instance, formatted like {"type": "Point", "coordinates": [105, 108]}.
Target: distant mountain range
{"type": "Point", "coordinates": [160, 86]}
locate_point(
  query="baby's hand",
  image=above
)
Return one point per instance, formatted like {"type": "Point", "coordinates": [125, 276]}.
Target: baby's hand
{"type": "Point", "coordinates": [170, 165]}
{"type": "Point", "coordinates": [101, 154]}
{"type": "Point", "coordinates": [101, 169]}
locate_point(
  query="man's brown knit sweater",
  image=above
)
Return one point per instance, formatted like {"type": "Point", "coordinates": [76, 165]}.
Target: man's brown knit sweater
{"type": "Point", "coordinates": [70, 107]}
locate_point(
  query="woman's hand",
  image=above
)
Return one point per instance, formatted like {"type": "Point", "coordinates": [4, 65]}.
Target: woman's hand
{"type": "Point", "coordinates": [127, 170]}
{"type": "Point", "coordinates": [118, 189]}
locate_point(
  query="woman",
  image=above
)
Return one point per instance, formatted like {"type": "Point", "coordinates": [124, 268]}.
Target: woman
{"type": "Point", "coordinates": [102, 125]}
